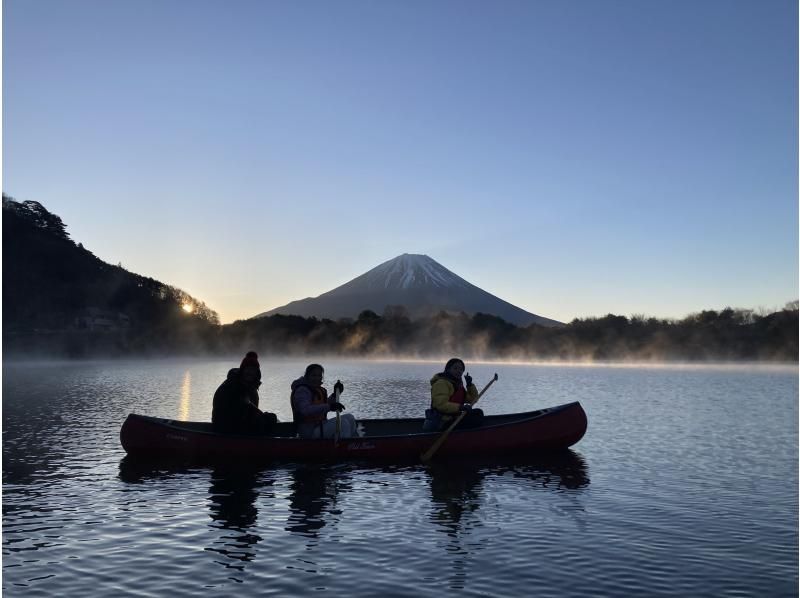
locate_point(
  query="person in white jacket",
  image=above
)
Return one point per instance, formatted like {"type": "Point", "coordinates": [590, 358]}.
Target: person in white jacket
{"type": "Point", "coordinates": [311, 405]}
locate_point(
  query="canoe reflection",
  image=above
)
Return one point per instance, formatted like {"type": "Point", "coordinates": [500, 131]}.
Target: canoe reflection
{"type": "Point", "coordinates": [564, 470]}
{"type": "Point", "coordinates": [133, 471]}
{"type": "Point", "coordinates": [460, 489]}
{"type": "Point", "coordinates": [313, 498]}
{"type": "Point", "coordinates": [464, 502]}
{"type": "Point", "coordinates": [456, 487]}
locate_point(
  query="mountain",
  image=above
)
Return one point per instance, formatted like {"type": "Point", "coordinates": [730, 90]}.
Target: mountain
{"type": "Point", "coordinates": [420, 284]}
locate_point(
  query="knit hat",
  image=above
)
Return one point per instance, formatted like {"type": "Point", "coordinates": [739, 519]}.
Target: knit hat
{"type": "Point", "coordinates": [250, 360]}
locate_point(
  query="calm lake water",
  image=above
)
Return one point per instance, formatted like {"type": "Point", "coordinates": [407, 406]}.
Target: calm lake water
{"type": "Point", "coordinates": [686, 484]}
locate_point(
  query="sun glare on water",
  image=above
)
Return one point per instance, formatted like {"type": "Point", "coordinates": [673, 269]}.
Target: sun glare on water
{"type": "Point", "coordinates": [187, 307]}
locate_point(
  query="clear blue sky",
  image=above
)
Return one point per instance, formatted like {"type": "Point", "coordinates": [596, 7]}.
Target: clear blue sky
{"type": "Point", "coordinates": [574, 158]}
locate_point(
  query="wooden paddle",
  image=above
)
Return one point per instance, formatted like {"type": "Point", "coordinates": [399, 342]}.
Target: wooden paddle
{"type": "Point", "coordinates": [426, 456]}
{"type": "Point", "coordinates": [338, 418]}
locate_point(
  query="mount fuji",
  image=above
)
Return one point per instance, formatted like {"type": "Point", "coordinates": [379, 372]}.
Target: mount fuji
{"type": "Point", "coordinates": [417, 282]}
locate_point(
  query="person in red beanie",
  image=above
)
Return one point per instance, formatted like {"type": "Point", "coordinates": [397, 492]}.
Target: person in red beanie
{"type": "Point", "coordinates": [235, 409]}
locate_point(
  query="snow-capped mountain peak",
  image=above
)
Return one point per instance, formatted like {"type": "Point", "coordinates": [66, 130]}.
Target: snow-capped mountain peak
{"type": "Point", "coordinates": [408, 271]}
{"type": "Point", "coordinates": [417, 282]}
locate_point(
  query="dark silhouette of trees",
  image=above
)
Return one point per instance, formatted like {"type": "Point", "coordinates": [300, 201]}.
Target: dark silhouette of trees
{"type": "Point", "coordinates": [36, 216]}
{"type": "Point", "coordinates": [731, 334]}
{"type": "Point", "coordinates": [59, 297]}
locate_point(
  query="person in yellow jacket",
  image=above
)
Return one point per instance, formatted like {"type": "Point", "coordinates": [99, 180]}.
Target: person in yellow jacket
{"type": "Point", "coordinates": [450, 396]}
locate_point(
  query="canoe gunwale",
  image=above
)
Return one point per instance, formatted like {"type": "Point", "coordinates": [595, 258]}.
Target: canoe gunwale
{"type": "Point", "coordinates": [518, 418]}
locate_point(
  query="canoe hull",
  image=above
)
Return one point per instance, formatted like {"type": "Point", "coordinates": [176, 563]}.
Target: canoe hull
{"type": "Point", "coordinates": [512, 435]}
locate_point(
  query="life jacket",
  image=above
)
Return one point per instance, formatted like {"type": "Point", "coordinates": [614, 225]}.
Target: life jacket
{"type": "Point", "coordinates": [459, 396]}
{"type": "Point", "coordinates": [320, 396]}
{"type": "Point", "coordinates": [459, 393]}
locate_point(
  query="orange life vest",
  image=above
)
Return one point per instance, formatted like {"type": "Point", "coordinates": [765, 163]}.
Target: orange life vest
{"type": "Point", "coordinates": [320, 396]}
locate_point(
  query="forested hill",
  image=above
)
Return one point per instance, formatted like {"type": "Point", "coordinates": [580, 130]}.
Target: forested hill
{"type": "Point", "coordinates": [57, 295]}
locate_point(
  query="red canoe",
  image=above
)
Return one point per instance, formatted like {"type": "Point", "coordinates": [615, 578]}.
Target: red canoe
{"type": "Point", "coordinates": [516, 434]}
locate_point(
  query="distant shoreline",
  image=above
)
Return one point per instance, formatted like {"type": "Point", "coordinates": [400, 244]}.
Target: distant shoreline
{"type": "Point", "coordinates": [19, 359]}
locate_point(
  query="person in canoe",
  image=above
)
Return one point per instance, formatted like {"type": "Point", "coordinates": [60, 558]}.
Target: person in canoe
{"type": "Point", "coordinates": [311, 405]}
{"type": "Point", "coordinates": [450, 396]}
{"type": "Point", "coordinates": [235, 408]}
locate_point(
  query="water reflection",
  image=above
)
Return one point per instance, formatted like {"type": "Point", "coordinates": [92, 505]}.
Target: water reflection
{"type": "Point", "coordinates": [458, 493]}
{"type": "Point", "coordinates": [186, 393]}
{"type": "Point", "coordinates": [313, 498]}
{"type": "Point", "coordinates": [234, 492]}
{"type": "Point", "coordinates": [456, 486]}
{"type": "Point", "coordinates": [232, 507]}
{"type": "Point", "coordinates": [132, 471]}
{"type": "Point", "coordinates": [455, 490]}
{"type": "Point", "coordinates": [565, 470]}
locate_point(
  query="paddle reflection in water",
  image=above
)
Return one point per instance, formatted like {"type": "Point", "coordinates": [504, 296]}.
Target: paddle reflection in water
{"type": "Point", "coordinates": [313, 497]}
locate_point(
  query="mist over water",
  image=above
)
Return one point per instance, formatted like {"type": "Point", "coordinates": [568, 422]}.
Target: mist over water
{"type": "Point", "coordinates": [685, 484]}
{"type": "Point", "coordinates": [708, 336]}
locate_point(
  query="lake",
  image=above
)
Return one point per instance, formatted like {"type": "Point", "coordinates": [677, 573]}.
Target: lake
{"type": "Point", "coordinates": [686, 484]}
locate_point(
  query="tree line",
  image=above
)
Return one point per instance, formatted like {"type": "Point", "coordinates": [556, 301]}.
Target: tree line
{"type": "Point", "coordinates": [730, 334]}
{"type": "Point", "coordinates": [727, 335]}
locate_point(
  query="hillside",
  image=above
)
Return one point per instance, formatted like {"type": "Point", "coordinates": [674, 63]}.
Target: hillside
{"type": "Point", "coordinates": [59, 297]}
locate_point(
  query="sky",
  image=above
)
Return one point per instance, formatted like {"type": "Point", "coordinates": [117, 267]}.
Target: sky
{"type": "Point", "coordinates": [573, 158]}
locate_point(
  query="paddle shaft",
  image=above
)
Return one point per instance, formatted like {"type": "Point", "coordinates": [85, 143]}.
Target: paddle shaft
{"type": "Point", "coordinates": [426, 456]}
{"type": "Point", "coordinates": [338, 419]}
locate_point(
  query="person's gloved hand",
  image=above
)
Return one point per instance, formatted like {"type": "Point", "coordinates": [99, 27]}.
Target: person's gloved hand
{"type": "Point", "coordinates": [334, 406]}
{"type": "Point", "coordinates": [468, 380]}
{"type": "Point", "coordinates": [338, 386]}
{"type": "Point", "coordinates": [465, 407]}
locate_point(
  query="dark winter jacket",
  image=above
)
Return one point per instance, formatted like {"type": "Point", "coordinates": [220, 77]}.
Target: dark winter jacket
{"type": "Point", "coordinates": [235, 409]}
